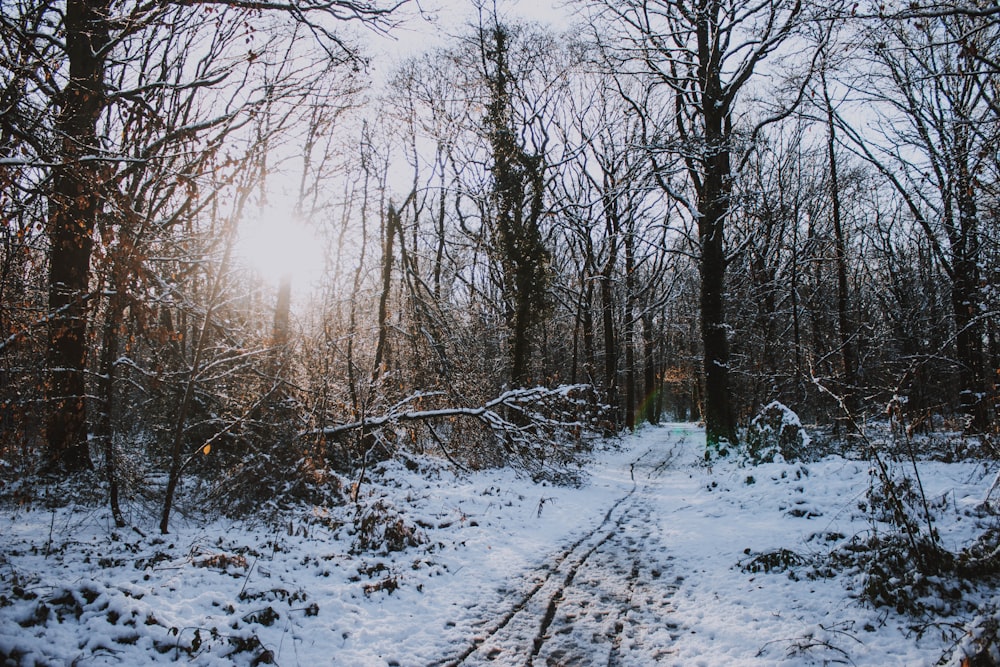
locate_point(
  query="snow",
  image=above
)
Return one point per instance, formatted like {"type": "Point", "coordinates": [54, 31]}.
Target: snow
{"type": "Point", "coordinates": [650, 561]}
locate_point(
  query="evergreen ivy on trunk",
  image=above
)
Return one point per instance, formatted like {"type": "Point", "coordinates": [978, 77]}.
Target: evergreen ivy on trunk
{"type": "Point", "coordinates": [518, 204]}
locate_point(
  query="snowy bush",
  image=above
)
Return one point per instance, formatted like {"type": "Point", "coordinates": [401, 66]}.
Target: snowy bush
{"type": "Point", "coordinates": [777, 560]}
{"type": "Point", "coordinates": [981, 644]}
{"type": "Point", "coordinates": [775, 433]}
{"type": "Point", "coordinates": [912, 575]}
{"type": "Point", "coordinates": [381, 528]}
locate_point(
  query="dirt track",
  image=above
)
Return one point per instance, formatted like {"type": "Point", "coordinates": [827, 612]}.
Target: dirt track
{"type": "Point", "coordinates": [590, 603]}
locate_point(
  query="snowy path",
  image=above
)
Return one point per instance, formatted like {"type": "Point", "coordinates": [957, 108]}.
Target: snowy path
{"type": "Point", "coordinates": [648, 563]}
{"type": "Point", "coordinates": [597, 598]}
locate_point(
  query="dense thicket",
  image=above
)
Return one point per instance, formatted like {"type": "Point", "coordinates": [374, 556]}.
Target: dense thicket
{"type": "Point", "coordinates": [684, 212]}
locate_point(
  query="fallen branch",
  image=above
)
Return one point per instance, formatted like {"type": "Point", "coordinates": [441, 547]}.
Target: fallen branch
{"type": "Point", "coordinates": [525, 417]}
{"type": "Point", "coordinates": [515, 399]}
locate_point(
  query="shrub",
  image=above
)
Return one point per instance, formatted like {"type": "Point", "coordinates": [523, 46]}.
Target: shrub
{"type": "Point", "coordinates": [776, 433]}
{"type": "Point", "coordinates": [382, 529]}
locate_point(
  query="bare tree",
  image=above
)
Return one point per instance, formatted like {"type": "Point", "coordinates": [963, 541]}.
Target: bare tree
{"type": "Point", "coordinates": [705, 53]}
{"type": "Point", "coordinates": [84, 39]}
{"type": "Point", "coordinates": [933, 91]}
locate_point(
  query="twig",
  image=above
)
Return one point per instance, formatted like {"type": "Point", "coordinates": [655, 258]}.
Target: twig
{"type": "Point", "coordinates": [48, 545]}
{"type": "Point", "coordinates": [246, 579]}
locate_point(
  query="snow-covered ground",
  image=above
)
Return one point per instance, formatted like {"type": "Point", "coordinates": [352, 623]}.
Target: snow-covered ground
{"type": "Point", "coordinates": [655, 559]}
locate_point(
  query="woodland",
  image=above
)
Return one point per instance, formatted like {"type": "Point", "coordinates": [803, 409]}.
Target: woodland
{"type": "Point", "coordinates": [529, 236]}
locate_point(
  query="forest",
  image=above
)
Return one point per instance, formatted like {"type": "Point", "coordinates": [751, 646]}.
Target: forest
{"type": "Point", "coordinates": [245, 259]}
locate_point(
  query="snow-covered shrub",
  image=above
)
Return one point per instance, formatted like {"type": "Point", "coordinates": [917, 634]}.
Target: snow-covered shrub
{"type": "Point", "coordinates": [913, 576]}
{"type": "Point", "coordinates": [980, 647]}
{"type": "Point", "coordinates": [380, 528]}
{"type": "Point", "coordinates": [275, 480]}
{"type": "Point", "coordinates": [982, 557]}
{"type": "Point", "coordinates": [777, 560]}
{"type": "Point", "coordinates": [775, 433]}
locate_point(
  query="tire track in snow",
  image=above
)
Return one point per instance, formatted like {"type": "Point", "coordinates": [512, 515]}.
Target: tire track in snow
{"type": "Point", "coordinates": [589, 602]}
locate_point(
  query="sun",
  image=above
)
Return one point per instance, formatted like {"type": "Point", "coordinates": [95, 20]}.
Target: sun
{"type": "Point", "coordinates": [276, 244]}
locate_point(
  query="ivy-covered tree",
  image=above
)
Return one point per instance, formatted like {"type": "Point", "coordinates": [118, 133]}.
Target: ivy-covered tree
{"type": "Point", "coordinates": [518, 203]}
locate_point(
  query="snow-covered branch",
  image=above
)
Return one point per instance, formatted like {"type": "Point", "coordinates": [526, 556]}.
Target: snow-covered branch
{"type": "Point", "coordinates": [524, 419]}
{"type": "Point", "coordinates": [518, 400]}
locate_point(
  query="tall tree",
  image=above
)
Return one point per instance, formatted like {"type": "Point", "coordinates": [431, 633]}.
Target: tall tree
{"type": "Point", "coordinates": [518, 198]}
{"type": "Point", "coordinates": [845, 325]}
{"type": "Point", "coordinates": [73, 208]}
{"type": "Point", "coordinates": [705, 52]}
{"type": "Point", "coordinates": [934, 88]}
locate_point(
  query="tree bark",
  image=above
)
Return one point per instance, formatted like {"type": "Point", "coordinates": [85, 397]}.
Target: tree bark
{"type": "Point", "coordinates": [628, 333]}
{"type": "Point", "coordinates": [518, 199]}
{"type": "Point", "coordinates": [112, 329]}
{"type": "Point", "coordinates": [652, 391]}
{"type": "Point", "coordinates": [73, 208]}
{"type": "Point", "coordinates": [608, 316]}
{"type": "Point", "coordinates": [382, 346]}
{"type": "Point", "coordinates": [713, 207]}
{"type": "Point", "coordinates": [966, 297]}
{"type": "Point", "coordinates": [846, 327]}
{"type": "Point", "coordinates": [194, 373]}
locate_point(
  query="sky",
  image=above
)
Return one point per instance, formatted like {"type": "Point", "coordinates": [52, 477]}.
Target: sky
{"type": "Point", "coordinates": [425, 24]}
{"type": "Point", "coordinates": [442, 18]}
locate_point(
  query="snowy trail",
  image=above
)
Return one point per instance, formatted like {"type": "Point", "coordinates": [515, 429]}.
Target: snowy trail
{"type": "Point", "coordinates": [656, 559]}
{"type": "Point", "coordinates": [597, 598]}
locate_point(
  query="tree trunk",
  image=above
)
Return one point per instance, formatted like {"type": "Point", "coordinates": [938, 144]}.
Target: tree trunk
{"type": "Point", "coordinates": [382, 347]}
{"type": "Point", "coordinates": [441, 233]}
{"type": "Point", "coordinates": [847, 352]}
{"type": "Point", "coordinates": [629, 334]}
{"type": "Point", "coordinates": [966, 296]}
{"type": "Point", "coordinates": [73, 207]}
{"type": "Point", "coordinates": [105, 431]}
{"type": "Point", "coordinates": [652, 401]}
{"type": "Point", "coordinates": [793, 292]}
{"type": "Point", "coordinates": [588, 332]}
{"type": "Point", "coordinates": [518, 201]}
{"type": "Point", "coordinates": [713, 207]}
{"type": "Point", "coordinates": [608, 318]}
{"type": "Point", "coordinates": [194, 373]}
